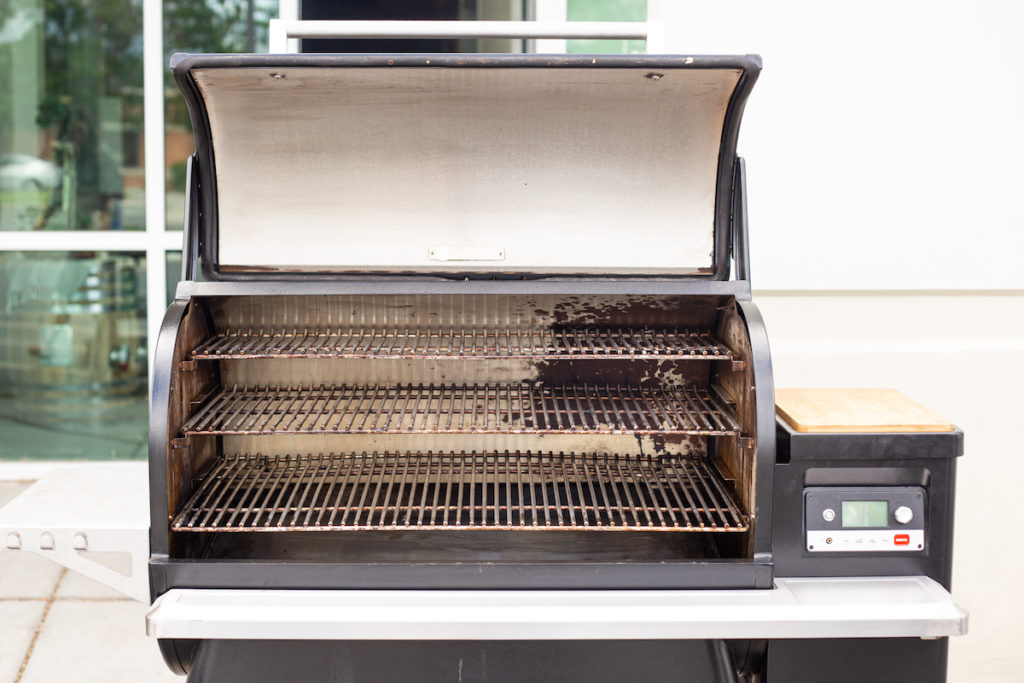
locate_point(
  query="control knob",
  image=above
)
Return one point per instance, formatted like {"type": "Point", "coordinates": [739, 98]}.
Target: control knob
{"type": "Point", "coordinates": [903, 514]}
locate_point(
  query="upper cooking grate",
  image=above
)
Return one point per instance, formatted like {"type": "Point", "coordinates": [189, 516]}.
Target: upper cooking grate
{"type": "Point", "coordinates": [449, 491]}
{"type": "Point", "coordinates": [522, 408]}
{"type": "Point", "coordinates": [559, 344]}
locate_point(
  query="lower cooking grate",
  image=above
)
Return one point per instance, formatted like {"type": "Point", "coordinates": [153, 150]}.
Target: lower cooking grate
{"type": "Point", "coordinates": [458, 491]}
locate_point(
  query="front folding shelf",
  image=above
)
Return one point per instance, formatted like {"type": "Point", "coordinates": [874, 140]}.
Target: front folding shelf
{"type": "Point", "coordinates": [403, 491]}
{"type": "Point", "coordinates": [518, 408]}
{"type": "Point", "coordinates": [549, 344]}
{"type": "Point", "coordinates": [814, 607]}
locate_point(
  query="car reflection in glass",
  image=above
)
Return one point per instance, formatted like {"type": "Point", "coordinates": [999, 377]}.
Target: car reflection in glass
{"type": "Point", "coordinates": [24, 172]}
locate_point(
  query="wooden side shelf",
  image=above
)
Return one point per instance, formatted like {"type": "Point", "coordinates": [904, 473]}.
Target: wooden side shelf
{"type": "Point", "coordinates": [855, 410]}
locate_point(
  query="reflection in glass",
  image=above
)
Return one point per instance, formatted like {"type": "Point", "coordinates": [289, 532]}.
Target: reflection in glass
{"type": "Point", "coordinates": [72, 355]}
{"type": "Point", "coordinates": [202, 26]}
{"type": "Point", "coordinates": [173, 273]}
{"type": "Point", "coordinates": [606, 10]}
{"type": "Point", "coordinates": [71, 115]}
{"type": "Point", "coordinates": [402, 10]}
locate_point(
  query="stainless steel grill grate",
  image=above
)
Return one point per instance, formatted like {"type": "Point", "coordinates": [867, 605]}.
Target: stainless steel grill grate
{"type": "Point", "coordinates": [449, 491]}
{"type": "Point", "coordinates": [479, 409]}
{"type": "Point", "coordinates": [460, 343]}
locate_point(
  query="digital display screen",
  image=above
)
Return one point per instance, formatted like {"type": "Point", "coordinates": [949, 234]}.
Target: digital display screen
{"type": "Point", "coordinates": [865, 513]}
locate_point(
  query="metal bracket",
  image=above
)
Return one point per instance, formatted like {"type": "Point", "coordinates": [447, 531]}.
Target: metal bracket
{"type": "Point", "coordinates": [191, 235]}
{"type": "Point", "coordinates": [93, 519]}
{"type": "Point", "coordinates": [745, 442]}
{"type": "Point", "coordinates": [740, 238]}
{"type": "Point", "coordinates": [723, 396]}
{"type": "Point", "coordinates": [187, 365]}
{"type": "Point", "coordinates": [201, 398]}
{"type": "Point", "coordinates": [738, 365]}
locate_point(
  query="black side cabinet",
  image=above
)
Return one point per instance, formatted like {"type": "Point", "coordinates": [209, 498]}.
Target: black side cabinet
{"type": "Point", "coordinates": [863, 504]}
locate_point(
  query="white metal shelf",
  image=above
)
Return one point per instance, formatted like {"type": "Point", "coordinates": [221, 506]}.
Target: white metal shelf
{"type": "Point", "coordinates": [80, 517]}
{"type": "Point", "coordinates": [869, 607]}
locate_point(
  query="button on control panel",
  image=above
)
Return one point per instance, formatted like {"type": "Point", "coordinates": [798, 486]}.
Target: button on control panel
{"type": "Point", "coordinates": [864, 519]}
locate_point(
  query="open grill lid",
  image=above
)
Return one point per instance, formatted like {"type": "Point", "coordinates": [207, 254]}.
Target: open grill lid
{"type": "Point", "coordinates": [464, 165]}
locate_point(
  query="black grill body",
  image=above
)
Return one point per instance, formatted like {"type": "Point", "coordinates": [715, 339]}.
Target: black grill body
{"type": "Point", "coordinates": [493, 427]}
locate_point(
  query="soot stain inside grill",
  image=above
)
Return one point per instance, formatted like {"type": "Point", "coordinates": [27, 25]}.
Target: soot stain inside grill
{"type": "Point", "coordinates": [644, 373]}
{"type": "Point", "coordinates": [633, 311]}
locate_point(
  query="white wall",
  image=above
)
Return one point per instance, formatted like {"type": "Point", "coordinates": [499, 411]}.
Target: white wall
{"type": "Point", "coordinates": [883, 144]}
{"type": "Point", "coordinates": [963, 356]}
{"type": "Point", "coordinates": [883, 139]}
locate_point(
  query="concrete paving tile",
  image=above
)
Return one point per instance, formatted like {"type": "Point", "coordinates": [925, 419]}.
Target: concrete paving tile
{"type": "Point", "coordinates": [26, 575]}
{"type": "Point", "coordinates": [10, 489]}
{"type": "Point", "coordinates": [96, 642]}
{"type": "Point", "coordinates": [18, 621]}
{"type": "Point", "coordinates": [75, 585]}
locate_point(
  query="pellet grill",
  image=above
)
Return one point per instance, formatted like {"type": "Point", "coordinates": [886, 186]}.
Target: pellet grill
{"type": "Point", "coordinates": [463, 381]}
{"type": "Point", "coordinates": [462, 317]}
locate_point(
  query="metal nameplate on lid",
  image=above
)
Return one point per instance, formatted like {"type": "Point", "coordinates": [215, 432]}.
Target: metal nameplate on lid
{"type": "Point", "coordinates": [466, 253]}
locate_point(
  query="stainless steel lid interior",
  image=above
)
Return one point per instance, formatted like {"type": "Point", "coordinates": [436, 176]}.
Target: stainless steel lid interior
{"type": "Point", "coordinates": [446, 164]}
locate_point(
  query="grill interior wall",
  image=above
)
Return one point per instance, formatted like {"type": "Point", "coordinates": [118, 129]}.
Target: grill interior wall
{"type": "Point", "coordinates": [185, 463]}
{"type": "Point", "coordinates": [461, 311]}
{"type": "Point", "coordinates": [255, 314]}
{"type": "Point", "coordinates": [186, 387]}
{"type": "Point", "coordinates": [739, 385]}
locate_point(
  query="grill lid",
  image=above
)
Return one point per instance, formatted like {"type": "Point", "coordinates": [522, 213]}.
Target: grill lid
{"type": "Point", "coordinates": [490, 165]}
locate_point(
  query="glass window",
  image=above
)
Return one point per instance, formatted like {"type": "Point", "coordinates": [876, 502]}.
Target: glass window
{"type": "Point", "coordinates": [402, 10]}
{"type": "Point", "coordinates": [242, 26]}
{"type": "Point", "coordinates": [72, 355]}
{"type": "Point", "coordinates": [173, 273]}
{"type": "Point", "coordinates": [202, 26]}
{"type": "Point", "coordinates": [606, 10]}
{"type": "Point", "coordinates": [71, 115]}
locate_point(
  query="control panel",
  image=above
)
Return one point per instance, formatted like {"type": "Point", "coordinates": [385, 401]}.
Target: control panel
{"type": "Point", "coordinates": [864, 519]}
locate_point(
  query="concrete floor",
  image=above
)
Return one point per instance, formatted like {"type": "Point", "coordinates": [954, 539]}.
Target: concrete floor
{"type": "Point", "coordinates": [58, 626]}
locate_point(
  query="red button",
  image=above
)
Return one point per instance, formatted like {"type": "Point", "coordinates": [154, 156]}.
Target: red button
{"type": "Point", "coordinates": [901, 539]}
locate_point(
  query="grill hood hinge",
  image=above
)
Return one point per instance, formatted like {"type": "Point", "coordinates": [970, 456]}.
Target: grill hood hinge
{"type": "Point", "coordinates": [192, 237]}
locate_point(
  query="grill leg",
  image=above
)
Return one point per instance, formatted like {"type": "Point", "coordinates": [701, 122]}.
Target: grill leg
{"type": "Point", "coordinates": [723, 669]}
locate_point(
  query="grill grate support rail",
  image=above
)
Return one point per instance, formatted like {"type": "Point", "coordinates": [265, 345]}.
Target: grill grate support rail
{"type": "Point", "coordinates": [552, 344]}
{"type": "Point", "coordinates": [510, 491]}
{"type": "Point", "coordinates": [522, 408]}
